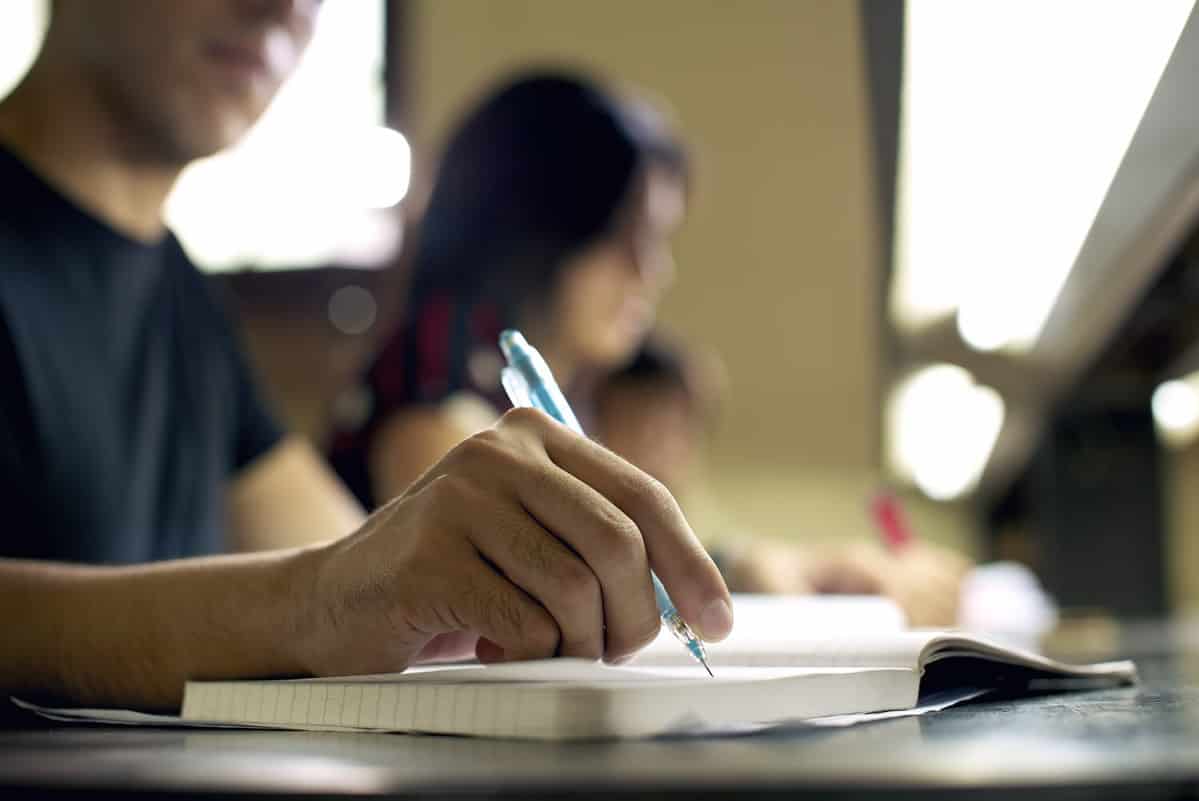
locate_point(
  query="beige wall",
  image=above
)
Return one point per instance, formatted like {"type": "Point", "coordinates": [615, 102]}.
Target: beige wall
{"type": "Point", "coordinates": [778, 260]}
{"type": "Point", "coordinates": [1182, 509]}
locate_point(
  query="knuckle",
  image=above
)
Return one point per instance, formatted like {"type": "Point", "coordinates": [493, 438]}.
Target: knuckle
{"type": "Point", "coordinates": [522, 419]}
{"type": "Point", "coordinates": [624, 541]}
{"type": "Point", "coordinates": [484, 445]}
{"type": "Point", "coordinates": [627, 545]}
{"type": "Point", "coordinates": [494, 451]}
{"type": "Point", "coordinates": [651, 495]}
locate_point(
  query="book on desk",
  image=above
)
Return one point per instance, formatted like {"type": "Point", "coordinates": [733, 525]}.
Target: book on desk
{"type": "Point", "coordinates": [820, 673]}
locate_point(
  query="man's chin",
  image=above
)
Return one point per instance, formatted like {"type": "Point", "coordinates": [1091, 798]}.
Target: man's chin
{"type": "Point", "coordinates": [207, 138]}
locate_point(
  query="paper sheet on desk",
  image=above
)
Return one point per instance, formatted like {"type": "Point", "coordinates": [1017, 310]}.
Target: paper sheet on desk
{"type": "Point", "coordinates": [126, 717]}
{"type": "Point", "coordinates": [935, 703]}
{"type": "Point", "coordinates": [120, 717]}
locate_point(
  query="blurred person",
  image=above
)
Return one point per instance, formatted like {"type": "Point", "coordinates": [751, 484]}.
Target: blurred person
{"type": "Point", "coordinates": [551, 212]}
{"type": "Point", "coordinates": [657, 412]}
{"type": "Point", "coordinates": [136, 448]}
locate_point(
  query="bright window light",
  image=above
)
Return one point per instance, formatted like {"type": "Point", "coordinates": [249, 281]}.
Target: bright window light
{"type": "Point", "coordinates": [308, 184]}
{"type": "Point", "coordinates": [22, 26]}
{"type": "Point", "coordinates": [1176, 410]}
{"type": "Point", "coordinates": [982, 328]}
{"type": "Point", "coordinates": [1016, 116]}
{"type": "Point", "coordinates": [941, 429]}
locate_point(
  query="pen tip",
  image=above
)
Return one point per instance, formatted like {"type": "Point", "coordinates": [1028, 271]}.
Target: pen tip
{"type": "Point", "coordinates": [710, 673]}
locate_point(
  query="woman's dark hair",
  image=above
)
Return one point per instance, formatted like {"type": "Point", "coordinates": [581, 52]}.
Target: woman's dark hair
{"type": "Point", "coordinates": [536, 173]}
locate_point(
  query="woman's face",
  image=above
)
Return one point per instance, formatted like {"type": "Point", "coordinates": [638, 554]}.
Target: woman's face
{"type": "Point", "coordinates": [607, 294]}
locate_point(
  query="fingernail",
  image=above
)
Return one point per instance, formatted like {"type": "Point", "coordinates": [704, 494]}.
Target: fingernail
{"type": "Point", "coordinates": [716, 621]}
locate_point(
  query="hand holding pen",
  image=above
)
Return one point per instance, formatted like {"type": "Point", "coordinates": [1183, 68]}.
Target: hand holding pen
{"type": "Point", "coordinates": [530, 384]}
{"type": "Point", "coordinates": [526, 541]}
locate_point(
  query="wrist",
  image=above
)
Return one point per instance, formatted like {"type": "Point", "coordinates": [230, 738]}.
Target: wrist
{"type": "Point", "coordinates": [299, 609]}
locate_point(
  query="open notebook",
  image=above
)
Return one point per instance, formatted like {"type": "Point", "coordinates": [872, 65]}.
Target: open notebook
{"type": "Point", "coordinates": [763, 678]}
{"type": "Point", "coordinates": [572, 699]}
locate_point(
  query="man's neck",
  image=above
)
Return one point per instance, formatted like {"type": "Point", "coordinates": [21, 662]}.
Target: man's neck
{"type": "Point", "coordinates": [57, 124]}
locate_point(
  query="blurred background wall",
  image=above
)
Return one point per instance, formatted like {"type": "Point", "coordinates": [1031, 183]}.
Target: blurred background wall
{"type": "Point", "coordinates": [1182, 491]}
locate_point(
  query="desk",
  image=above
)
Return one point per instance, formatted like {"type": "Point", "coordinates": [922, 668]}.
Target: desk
{"type": "Point", "coordinates": [1128, 743]}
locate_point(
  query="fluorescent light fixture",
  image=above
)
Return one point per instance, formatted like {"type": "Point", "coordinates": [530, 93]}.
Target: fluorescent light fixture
{"type": "Point", "coordinates": [307, 185]}
{"type": "Point", "coordinates": [983, 328]}
{"type": "Point", "coordinates": [1176, 410]}
{"type": "Point", "coordinates": [941, 429]}
{"type": "Point", "coordinates": [1015, 118]}
{"type": "Point", "coordinates": [22, 27]}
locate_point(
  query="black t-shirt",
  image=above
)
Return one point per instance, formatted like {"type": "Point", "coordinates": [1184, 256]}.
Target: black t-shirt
{"type": "Point", "coordinates": [125, 405]}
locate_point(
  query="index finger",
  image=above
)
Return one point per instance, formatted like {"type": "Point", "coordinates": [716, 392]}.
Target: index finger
{"type": "Point", "coordinates": [675, 553]}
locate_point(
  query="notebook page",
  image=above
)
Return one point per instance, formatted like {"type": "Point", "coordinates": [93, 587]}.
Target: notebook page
{"type": "Point", "coordinates": [948, 645]}
{"type": "Point", "coordinates": [913, 650]}
{"type": "Point", "coordinates": [895, 649]}
{"type": "Point", "coordinates": [543, 670]}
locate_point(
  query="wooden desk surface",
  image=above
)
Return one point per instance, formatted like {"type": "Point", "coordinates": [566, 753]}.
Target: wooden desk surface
{"type": "Point", "coordinates": [1129, 743]}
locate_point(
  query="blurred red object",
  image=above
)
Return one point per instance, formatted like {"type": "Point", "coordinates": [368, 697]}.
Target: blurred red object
{"type": "Point", "coordinates": [893, 528]}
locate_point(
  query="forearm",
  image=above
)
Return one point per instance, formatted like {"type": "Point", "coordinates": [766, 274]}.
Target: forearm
{"type": "Point", "coordinates": [131, 636]}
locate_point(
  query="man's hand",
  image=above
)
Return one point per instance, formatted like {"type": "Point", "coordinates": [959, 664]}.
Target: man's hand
{"type": "Point", "coordinates": [526, 541]}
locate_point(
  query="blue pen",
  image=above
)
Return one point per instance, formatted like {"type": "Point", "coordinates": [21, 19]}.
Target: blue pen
{"type": "Point", "coordinates": [529, 383]}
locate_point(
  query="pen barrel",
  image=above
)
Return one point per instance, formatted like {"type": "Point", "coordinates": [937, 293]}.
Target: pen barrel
{"type": "Point", "coordinates": [677, 626]}
{"type": "Point", "coordinates": [665, 605]}
{"type": "Point", "coordinates": [540, 390]}
{"type": "Point", "coordinates": [549, 399]}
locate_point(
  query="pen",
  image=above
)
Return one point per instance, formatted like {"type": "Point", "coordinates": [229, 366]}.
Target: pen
{"type": "Point", "coordinates": [892, 526]}
{"type": "Point", "coordinates": [529, 383]}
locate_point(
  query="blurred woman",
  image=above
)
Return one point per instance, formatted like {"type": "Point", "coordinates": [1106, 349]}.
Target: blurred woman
{"type": "Point", "coordinates": [551, 212]}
